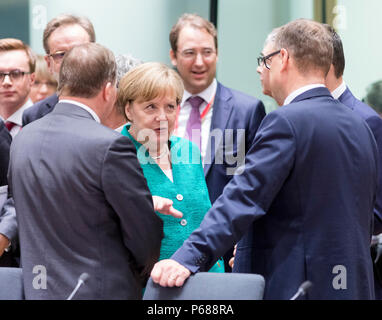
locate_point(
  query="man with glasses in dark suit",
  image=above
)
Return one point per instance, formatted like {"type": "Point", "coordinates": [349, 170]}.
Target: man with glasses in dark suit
{"type": "Point", "coordinates": [60, 35]}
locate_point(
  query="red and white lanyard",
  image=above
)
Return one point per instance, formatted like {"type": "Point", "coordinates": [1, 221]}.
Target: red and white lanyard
{"type": "Point", "coordinates": [202, 116]}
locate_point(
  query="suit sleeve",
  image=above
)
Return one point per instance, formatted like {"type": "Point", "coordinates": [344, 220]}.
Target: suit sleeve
{"type": "Point", "coordinates": [126, 191]}
{"type": "Point", "coordinates": [246, 198]}
{"type": "Point", "coordinates": [375, 124]}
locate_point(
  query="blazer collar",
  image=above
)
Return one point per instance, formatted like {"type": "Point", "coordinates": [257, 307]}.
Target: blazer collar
{"type": "Point", "coordinates": [313, 93]}
{"type": "Point", "coordinates": [72, 110]}
{"type": "Point", "coordinates": [347, 99]}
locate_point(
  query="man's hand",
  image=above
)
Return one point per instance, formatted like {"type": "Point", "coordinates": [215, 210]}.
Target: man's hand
{"type": "Point", "coordinates": [169, 273]}
{"type": "Point", "coordinates": [164, 206]}
{"type": "Point", "coordinates": [4, 243]}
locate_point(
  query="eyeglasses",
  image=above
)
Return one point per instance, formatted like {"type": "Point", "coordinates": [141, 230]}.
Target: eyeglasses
{"type": "Point", "coordinates": [57, 56]}
{"type": "Point", "coordinates": [191, 54]}
{"type": "Point", "coordinates": [261, 59]}
{"type": "Point", "coordinates": [49, 84]}
{"type": "Point", "coordinates": [14, 75]}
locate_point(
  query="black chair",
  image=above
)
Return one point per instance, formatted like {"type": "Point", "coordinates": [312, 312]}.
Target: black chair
{"type": "Point", "coordinates": [211, 286]}
{"type": "Point", "coordinates": [11, 284]}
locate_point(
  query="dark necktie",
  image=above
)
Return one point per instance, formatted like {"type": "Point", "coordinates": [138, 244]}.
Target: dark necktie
{"type": "Point", "coordinates": [9, 125]}
{"type": "Point", "coordinates": [194, 123]}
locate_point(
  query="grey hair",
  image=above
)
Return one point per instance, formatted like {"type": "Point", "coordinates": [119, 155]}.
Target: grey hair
{"type": "Point", "coordinates": [272, 36]}
{"type": "Point", "coordinates": [125, 62]}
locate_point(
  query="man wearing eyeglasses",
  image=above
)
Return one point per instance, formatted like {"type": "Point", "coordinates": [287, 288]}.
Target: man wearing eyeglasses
{"type": "Point", "coordinates": [60, 35]}
{"type": "Point", "coordinates": [17, 64]}
{"type": "Point", "coordinates": [211, 115]}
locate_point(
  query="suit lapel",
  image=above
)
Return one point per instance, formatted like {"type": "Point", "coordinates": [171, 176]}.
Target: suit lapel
{"type": "Point", "coordinates": [222, 110]}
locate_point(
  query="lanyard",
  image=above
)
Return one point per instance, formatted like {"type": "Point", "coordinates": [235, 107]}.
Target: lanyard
{"type": "Point", "coordinates": [202, 116]}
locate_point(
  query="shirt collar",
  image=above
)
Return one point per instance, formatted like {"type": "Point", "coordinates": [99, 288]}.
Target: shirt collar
{"type": "Point", "coordinates": [83, 106]}
{"type": "Point", "coordinates": [337, 93]}
{"type": "Point", "coordinates": [17, 117]}
{"type": "Point", "coordinates": [300, 91]}
{"type": "Point", "coordinates": [207, 94]}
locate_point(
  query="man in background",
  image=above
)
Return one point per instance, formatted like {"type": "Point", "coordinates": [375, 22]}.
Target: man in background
{"type": "Point", "coordinates": [60, 35]}
{"type": "Point", "coordinates": [17, 66]}
{"type": "Point", "coordinates": [337, 86]}
{"type": "Point", "coordinates": [82, 201]}
{"type": "Point", "coordinates": [221, 121]}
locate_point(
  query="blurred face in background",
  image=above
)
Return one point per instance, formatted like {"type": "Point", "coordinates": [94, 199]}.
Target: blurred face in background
{"type": "Point", "coordinates": [44, 85]}
{"type": "Point", "coordinates": [195, 59]}
{"type": "Point", "coordinates": [61, 41]}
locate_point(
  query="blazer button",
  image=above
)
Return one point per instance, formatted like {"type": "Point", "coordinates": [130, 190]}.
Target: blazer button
{"type": "Point", "coordinates": [183, 222]}
{"type": "Point", "coordinates": [179, 197]}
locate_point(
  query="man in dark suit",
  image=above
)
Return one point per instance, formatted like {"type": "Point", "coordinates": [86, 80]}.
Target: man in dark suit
{"type": "Point", "coordinates": [8, 228]}
{"type": "Point", "coordinates": [60, 35]}
{"type": "Point", "coordinates": [308, 190]}
{"type": "Point", "coordinates": [82, 201]}
{"type": "Point", "coordinates": [335, 83]}
{"type": "Point", "coordinates": [221, 121]}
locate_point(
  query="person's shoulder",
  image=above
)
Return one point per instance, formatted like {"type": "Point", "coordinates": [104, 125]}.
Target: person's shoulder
{"type": "Point", "coordinates": [238, 95]}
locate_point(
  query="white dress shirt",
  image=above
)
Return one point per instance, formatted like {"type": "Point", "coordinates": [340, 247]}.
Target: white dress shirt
{"type": "Point", "coordinates": [337, 93]}
{"type": "Point", "coordinates": [83, 106]}
{"type": "Point", "coordinates": [185, 110]}
{"type": "Point", "coordinates": [297, 92]}
{"type": "Point", "coordinates": [17, 118]}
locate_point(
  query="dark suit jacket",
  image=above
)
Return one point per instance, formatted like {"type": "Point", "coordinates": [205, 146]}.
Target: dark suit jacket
{"type": "Point", "coordinates": [8, 224]}
{"type": "Point", "coordinates": [306, 196]}
{"type": "Point", "coordinates": [5, 143]}
{"type": "Point", "coordinates": [232, 111]}
{"type": "Point", "coordinates": [82, 205]}
{"type": "Point", "coordinates": [374, 121]}
{"type": "Point", "coordinates": [40, 109]}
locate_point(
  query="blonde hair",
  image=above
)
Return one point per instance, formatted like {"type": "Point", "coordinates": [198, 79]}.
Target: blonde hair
{"type": "Point", "coordinates": [42, 71]}
{"type": "Point", "coordinates": [147, 82]}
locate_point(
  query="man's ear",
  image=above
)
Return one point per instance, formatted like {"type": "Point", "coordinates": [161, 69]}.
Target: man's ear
{"type": "Point", "coordinates": [109, 92]}
{"type": "Point", "coordinates": [284, 59]}
{"type": "Point", "coordinates": [49, 63]}
{"type": "Point", "coordinates": [173, 58]}
{"type": "Point", "coordinates": [32, 78]}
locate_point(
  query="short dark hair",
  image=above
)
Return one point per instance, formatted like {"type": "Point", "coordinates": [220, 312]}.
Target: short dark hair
{"type": "Point", "coordinates": [338, 52]}
{"type": "Point", "coordinates": [64, 20]}
{"type": "Point", "coordinates": [85, 69]}
{"type": "Point", "coordinates": [194, 21]}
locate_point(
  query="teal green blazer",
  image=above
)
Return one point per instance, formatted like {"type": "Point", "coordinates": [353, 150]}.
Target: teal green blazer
{"type": "Point", "coordinates": [188, 191]}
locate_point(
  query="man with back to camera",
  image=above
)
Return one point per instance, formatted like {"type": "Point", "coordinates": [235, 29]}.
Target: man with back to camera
{"type": "Point", "coordinates": [82, 201]}
{"type": "Point", "coordinates": [60, 35]}
{"type": "Point", "coordinates": [308, 190]}
{"type": "Point", "coordinates": [211, 115]}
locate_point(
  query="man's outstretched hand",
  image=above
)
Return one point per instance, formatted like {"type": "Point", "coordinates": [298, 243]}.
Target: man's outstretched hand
{"type": "Point", "coordinates": [169, 273]}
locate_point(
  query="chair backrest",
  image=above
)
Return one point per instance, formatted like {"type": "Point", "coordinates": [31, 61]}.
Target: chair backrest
{"type": "Point", "coordinates": [11, 284]}
{"type": "Point", "coordinates": [211, 286]}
